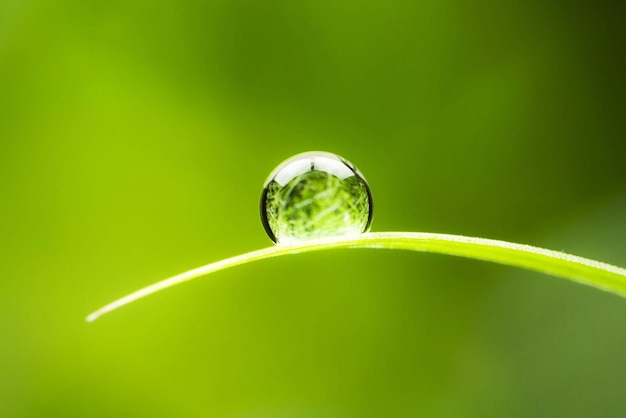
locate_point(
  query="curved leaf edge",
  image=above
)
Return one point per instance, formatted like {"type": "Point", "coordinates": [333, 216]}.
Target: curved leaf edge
{"type": "Point", "coordinates": [583, 270]}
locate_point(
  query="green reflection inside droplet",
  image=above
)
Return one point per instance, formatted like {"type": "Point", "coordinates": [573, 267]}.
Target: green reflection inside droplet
{"type": "Point", "coordinates": [315, 195]}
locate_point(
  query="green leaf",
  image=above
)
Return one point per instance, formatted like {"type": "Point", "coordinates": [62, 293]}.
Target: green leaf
{"type": "Point", "coordinates": [593, 273]}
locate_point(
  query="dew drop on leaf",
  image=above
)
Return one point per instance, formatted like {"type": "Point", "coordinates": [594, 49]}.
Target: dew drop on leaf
{"type": "Point", "coordinates": [315, 195]}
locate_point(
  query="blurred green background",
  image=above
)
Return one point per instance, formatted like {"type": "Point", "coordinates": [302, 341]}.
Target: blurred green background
{"type": "Point", "coordinates": [135, 137]}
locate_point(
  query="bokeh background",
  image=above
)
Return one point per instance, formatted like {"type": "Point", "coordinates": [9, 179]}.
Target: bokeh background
{"type": "Point", "coordinates": [135, 137]}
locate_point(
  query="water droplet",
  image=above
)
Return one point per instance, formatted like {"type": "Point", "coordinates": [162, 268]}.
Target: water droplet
{"type": "Point", "coordinates": [315, 195]}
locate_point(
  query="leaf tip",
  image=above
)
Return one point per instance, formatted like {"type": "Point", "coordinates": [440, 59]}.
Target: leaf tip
{"type": "Point", "coordinates": [92, 317]}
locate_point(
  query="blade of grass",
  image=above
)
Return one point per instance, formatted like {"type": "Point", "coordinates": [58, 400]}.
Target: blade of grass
{"type": "Point", "coordinates": [593, 273]}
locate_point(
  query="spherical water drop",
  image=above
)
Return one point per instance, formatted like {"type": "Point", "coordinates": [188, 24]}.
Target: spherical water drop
{"type": "Point", "coordinates": [315, 195]}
